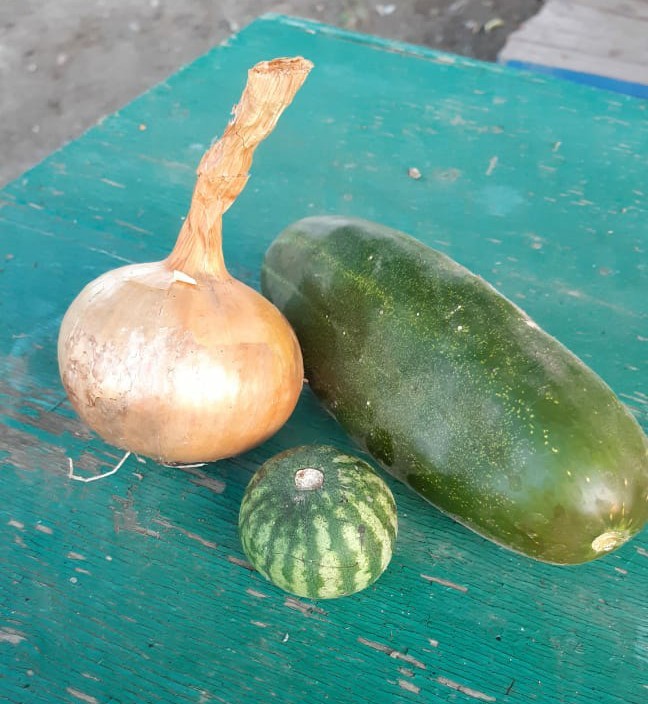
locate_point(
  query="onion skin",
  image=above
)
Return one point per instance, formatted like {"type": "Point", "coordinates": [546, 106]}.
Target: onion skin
{"type": "Point", "coordinates": [177, 360]}
{"type": "Point", "coordinates": [169, 384]}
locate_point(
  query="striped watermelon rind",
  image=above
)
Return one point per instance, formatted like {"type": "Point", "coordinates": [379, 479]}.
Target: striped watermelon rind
{"type": "Point", "coordinates": [319, 543]}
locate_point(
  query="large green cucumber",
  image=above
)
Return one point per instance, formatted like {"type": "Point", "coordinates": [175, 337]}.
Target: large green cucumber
{"type": "Point", "coordinates": [458, 393]}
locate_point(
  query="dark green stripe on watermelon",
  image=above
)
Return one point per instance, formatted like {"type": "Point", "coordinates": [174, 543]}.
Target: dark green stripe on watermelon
{"type": "Point", "coordinates": [320, 543]}
{"type": "Point", "coordinates": [458, 393]}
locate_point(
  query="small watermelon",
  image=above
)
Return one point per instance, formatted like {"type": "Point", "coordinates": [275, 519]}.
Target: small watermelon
{"type": "Point", "coordinates": [318, 522]}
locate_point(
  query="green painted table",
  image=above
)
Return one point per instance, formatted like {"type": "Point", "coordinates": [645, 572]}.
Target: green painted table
{"type": "Point", "coordinates": [134, 588]}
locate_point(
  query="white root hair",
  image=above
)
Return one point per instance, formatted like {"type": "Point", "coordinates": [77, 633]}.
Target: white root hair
{"type": "Point", "coordinates": [114, 470]}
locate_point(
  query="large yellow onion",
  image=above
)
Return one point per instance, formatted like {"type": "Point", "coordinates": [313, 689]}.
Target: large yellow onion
{"type": "Point", "coordinates": [177, 360]}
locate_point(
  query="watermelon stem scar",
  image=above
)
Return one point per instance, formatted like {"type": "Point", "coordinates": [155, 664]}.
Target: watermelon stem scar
{"type": "Point", "coordinates": [309, 479]}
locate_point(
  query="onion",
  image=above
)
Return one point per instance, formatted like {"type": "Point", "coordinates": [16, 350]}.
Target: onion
{"type": "Point", "coordinates": [176, 359]}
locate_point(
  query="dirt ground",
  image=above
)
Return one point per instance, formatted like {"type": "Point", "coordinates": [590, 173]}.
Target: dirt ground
{"type": "Point", "coordinates": [66, 63]}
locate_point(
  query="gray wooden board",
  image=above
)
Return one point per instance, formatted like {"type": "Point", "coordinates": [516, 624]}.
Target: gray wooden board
{"type": "Point", "coordinates": [605, 38]}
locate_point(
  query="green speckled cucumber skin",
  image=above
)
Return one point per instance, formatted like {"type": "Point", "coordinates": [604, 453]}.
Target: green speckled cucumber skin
{"type": "Point", "coordinates": [318, 522]}
{"type": "Point", "coordinates": [458, 393]}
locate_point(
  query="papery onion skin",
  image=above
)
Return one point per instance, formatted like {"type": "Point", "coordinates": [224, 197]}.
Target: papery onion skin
{"type": "Point", "coordinates": [177, 360]}
{"type": "Point", "coordinates": [144, 364]}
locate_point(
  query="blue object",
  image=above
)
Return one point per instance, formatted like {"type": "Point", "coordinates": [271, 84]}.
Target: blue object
{"type": "Point", "coordinates": [638, 90]}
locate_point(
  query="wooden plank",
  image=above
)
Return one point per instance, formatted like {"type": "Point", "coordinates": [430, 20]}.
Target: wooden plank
{"type": "Point", "coordinates": [587, 36]}
{"type": "Point", "coordinates": [134, 589]}
{"type": "Point", "coordinates": [633, 9]}
{"type": "Point", "coordinates": [573, 60]}
{"type": "Point", "coordinates": [592, 32]}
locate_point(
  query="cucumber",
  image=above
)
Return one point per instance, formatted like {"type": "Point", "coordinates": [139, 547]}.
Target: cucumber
{"type": "Point", "coordinates": [318, 522]}
{"type": "Point", "coordinates": [458, 393]}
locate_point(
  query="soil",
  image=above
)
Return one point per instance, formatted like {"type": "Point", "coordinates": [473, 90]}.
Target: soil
{"type": "Point", "coordinates": [66, 63]}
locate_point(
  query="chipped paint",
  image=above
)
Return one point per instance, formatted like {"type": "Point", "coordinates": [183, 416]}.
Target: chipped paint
{"type": "Point", "coordinates": [468, 691]}
{"type": "Point", "coordinates": [114, 184]}
{"type": "Point", "coordinates": [241, 563]}
{"type": "Point", "coordinates": [131, 226]}
{"type": "Point", "coordinates": [202, 479]}
{"type": "Point", "coordinates": [492, 164]}
{"type": "Point", "coordinates": [409, 686]}
{"type": "Point", "coordinates": [445, 583]}
{"type": "Point", "coordinates": [189, 534]}
{"type": "Point", "coordinates": [11, 636]}
{"type": "Point", "coordinates": [303, 607]}
{"type": "Point", "coordinates": [392, 652]}
{"type": "Point", "coordinates": [125, 518]}
{"type": "Point", "coordinates": [81, 696]}
{"type": "Point", "coordinates": [257, 594]}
